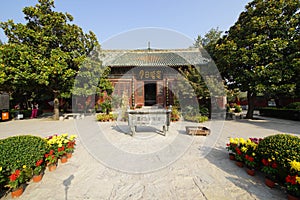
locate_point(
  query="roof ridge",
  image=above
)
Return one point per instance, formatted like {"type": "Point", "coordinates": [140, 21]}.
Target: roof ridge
{"type": "Point", "coordinates": [152, 50]}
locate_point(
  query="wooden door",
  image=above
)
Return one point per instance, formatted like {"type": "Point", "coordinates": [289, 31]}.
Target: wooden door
{"type": "Point", "coordinates": [139, 93]}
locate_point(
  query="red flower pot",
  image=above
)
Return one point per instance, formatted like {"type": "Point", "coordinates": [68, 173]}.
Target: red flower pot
{"type": "Point", "coordinates": [37, 178]}
{"type": "Point", "coordinates": [52, 167]}
{"type": "Point", "coordinates": [270, 183]}
{"type": "Point", "coordinates": [239, 163]}
{"type": "Point", "coordinates": [69, 155]}
{"type": "Point", "coordinates": [231, 156]}
{"type": "Point", "coordinates": [292, 197]}
{"type": "Point", "coordinates": [63, 159]}
{"type": "Point", "coordinates": [251, 172]}
{"type": "Point", "coordinates": [17, 192]}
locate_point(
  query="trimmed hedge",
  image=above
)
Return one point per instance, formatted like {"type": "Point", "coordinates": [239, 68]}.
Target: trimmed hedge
{"type": "Point", "coordinates": [281, 147]}
{"type": "Point", "coordinates": [295, 105]}
{"type": "Point", "coordinates": [17, 151]}
{"type": "Point", "coordinates": [290, 114]}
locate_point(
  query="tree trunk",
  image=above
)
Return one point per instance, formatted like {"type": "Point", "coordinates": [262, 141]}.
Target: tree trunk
{"type": "Point", "coordinates": [56, 107]}
{"type": "Point", "coordinates": [251, 99]}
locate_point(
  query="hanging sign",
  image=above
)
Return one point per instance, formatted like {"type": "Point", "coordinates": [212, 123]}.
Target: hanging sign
{"type": "Point", "coordinates": [149, 74]}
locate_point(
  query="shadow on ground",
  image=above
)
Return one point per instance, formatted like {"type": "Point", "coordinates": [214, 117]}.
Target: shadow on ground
{"type": "Point", "coordinates": [278, 125]}
{"type": "Point", "coordinates": [254, 185]}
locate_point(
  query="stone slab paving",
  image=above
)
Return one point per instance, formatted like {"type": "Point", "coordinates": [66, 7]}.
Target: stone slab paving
{"type": "Point", "coordinates": [190, 176]}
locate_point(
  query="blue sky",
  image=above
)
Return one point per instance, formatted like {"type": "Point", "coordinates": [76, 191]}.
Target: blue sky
{"type": "Point", "coordinates": [112, 19]}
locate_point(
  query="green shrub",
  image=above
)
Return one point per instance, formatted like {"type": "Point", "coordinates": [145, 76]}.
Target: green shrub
{"type": "Point", "coordinates": [175, 114]}
{"type": "Point", "coordinates": [106, 117]}
{"type": "Point", "coordinates": [19, 151]}
{"type": "Point", "coordinates": [281, 149]}
{"type": "Point", "coordinates": [295, 105]}
{"type": "Point", "coordinates": [201, 119]}
{"type": "Point", "coordinates": [197, 118]}
{"type": "Point", "coordinates": [237, 108]}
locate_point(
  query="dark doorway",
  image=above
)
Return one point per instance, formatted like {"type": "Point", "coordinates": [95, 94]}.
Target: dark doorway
{"type": "Point", "coordinates": [150, 93]}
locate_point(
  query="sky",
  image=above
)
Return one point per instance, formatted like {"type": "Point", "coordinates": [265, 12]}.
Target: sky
{"type": "Point", "coordinates": [133, 23]}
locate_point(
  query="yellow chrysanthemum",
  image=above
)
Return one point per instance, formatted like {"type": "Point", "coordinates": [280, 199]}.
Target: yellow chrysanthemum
{"type": "Point", "coordinates": [0, 169]}
{"type": "Point", "coordinates": [298, 179]}
{"type": "Point", "coordinates": [242, 141]}
{"type": "Point", "coordinates": [231, 140]}
{"type": "Point", "coordinates": [72, 137]}
{"type": "Point", "coordinates": [273, 158]}
{"type": "Point", "coordinates": [295, 165]}
{"type": "Point", "coordinates": [65, 135]}
{"type": "Point", "coordinates": [59, 144]}
{"type": "Point", "coordinates": [24, 166]}
{"type": "Point", "coordinates": [253, 154]}
{"type": "Point", "coordinates": [244, 149]}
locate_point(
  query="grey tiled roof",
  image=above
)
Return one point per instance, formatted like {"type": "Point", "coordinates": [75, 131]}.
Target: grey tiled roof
{"type": "Point", "coordinates": [170, 57]}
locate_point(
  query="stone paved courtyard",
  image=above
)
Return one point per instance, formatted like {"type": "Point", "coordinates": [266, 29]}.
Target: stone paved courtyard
{"type": "Point", "coordinates": [187, 176]}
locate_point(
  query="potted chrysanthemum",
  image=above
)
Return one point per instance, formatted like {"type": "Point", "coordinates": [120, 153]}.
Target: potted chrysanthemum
{"type": "Point", "coordinates": [51, 160]}
{"type": "Point", "coordinates": [292, 181]}
{"type": "Point", "coordinates": [16, 181]}
{"type": "Point", "coordinates": [38, 170]}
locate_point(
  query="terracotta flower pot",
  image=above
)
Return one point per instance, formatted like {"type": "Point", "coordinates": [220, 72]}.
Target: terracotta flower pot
{"type": "Point", "coordinates": [292, 197]}
{"type": "Point", "coordinates": [69, 155]}
{"type": "Point", "coordinates": [251, 172]}
{"type": "Point", "coordinates": [231, 156]}
{"type": "Point", "coordinates": [52, 167]}
{"type": "Point", "coordinates": [239, 163]}
{"type": "Point", "coordinates": [63, 159]}
{"type": "Point", "coordinates": [17, 192]}
{"type": "Point", "coordinates": [37, 178]}
{"type": "Point", "coordinates": [270, 183]}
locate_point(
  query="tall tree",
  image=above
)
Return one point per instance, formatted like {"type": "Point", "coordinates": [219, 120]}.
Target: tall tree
{"type": "Point", "coordinates": [208, 41]}
{"type": "Point", "coordinates": [52, 48]}
{"type": "Point", "coordinates": [210, 38]}
{"type": "Point", "coordinates": [260, 52]}
{"type": "Point", "coordinates": [202, 82]}
{"type": "Point", "coordinates": [92, 79]}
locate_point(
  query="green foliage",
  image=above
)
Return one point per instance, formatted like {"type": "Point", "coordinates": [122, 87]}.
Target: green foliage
{"type": "Point", "coordinates": [295, 105]}
{"type": "Point", "coordinates": [46, 52]}
{"type": "Point", "coordinates": [92, 79]}
{"type": "Point", "coordinates": [233, 107]}
{"type": "Point", "coordinates": [106, 106]}
{"type": "Point", "coordinates": [191, 85]}
{"type": "Point", "coordinates": [260, 52]}
{"type": "Point", "coordinates": [17, 151]}
{"type": "Point", "coordinates": [175, 114]}
{"type": "Point", "coordinates": [17, 178]}
{"type": "Point", "coordinates": [40, 166]}
{"type": "Point", "coordinates": [18, 156]}
{"type": "Point", "coordinates": [281, 149]}
{"type": "Point", "coordinates": [195, 115]}
{"type": "Point", "coordinates": [196, 118]}
{"type": "Point", "coordinates": [281, 113]}
{"type": "Point", "coordinates": [106, 117]}
{"type": "Point", "coordinates": [237, 108]}
{"type": "Point", "coordinates": [208, 41]}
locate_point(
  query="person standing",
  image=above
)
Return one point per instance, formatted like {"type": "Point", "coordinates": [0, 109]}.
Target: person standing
{"type": "Point", "coordinates": [34, 111]}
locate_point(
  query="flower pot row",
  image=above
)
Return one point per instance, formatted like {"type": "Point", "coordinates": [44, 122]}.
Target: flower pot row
{"type": "Point", "coordinates": [277, 156]}
{"type": "Point", "coordinates": [18, 191]}
{"type": "Point", "coordinates": [46, 156]}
